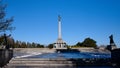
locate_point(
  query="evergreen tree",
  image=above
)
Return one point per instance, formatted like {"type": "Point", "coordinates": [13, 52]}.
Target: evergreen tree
{"type": "Point", "coordinates": [79, 44]}
{"type": "Point", "coordinates": [33, 45]}
{"type": "Point", "coordinates": [50, 46]}
{"type": "Point", "coordinates": [40, 46]}
{"type": "Point", "coordinates": [88, 42]}
{"type": "Point", "coordinates": [23, 45]}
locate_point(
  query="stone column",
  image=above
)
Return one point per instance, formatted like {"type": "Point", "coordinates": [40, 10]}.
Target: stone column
{"type": "Point", "coordinates": [59, 27]}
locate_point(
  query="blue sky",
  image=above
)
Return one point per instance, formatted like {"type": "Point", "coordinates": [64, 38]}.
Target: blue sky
{"type": "Point", "coordinates": [36, 20]}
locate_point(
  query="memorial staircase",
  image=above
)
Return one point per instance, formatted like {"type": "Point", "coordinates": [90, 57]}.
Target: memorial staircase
{"type": "Point", "coordinates": [57, 63]}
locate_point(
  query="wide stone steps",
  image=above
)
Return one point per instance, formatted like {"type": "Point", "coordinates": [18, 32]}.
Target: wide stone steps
{"type": "Point", "coordinates": [40, 63]}
{"type": "Point", "coordinates": [56, 63]}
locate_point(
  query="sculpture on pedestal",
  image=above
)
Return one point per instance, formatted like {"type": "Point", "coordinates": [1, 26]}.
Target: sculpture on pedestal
{"type": "Point", "coordinates": [111, 40]}
{"type": "Point", "coordinates": [112, 44]}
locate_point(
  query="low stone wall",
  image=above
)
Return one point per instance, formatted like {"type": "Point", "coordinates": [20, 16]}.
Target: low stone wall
{"type": "Point", "coordinates": [115, 55]}
{"type": "Point", "coordinates": [91, 49]}
{"type": "Point", "coordinates": [32, 50]}
{"type": "Point", "coordinates": [47, 50]}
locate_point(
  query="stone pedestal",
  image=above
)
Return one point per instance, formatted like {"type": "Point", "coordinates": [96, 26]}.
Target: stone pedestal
{"type": "Point", "coordinates": [5, 56]}
{"type": "Point", "coordinates": [60, 44]}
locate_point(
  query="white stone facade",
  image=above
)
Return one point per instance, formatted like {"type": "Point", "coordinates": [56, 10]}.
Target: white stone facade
{"type": "Point", "coordinates": [60, 44]}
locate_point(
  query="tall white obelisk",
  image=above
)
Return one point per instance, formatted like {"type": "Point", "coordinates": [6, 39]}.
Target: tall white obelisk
{"type": "Point", "coordinates": [59, 27]}
{"type": "Point", "coordinates": [60, 44]}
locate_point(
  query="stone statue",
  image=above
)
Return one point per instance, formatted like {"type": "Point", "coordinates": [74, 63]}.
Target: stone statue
{"type": "Point", "coordinates": [59, 18]}
{"type": "Point", "coordinates": [6, 41]}
{"type": "Point", "coordinates": [112, 45]}
{"type": "Point", "coordinates": [111, 40]}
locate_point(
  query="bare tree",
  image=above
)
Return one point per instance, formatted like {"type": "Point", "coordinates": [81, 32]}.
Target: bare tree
{"type": "Point", "coordinates": [5, 24]}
